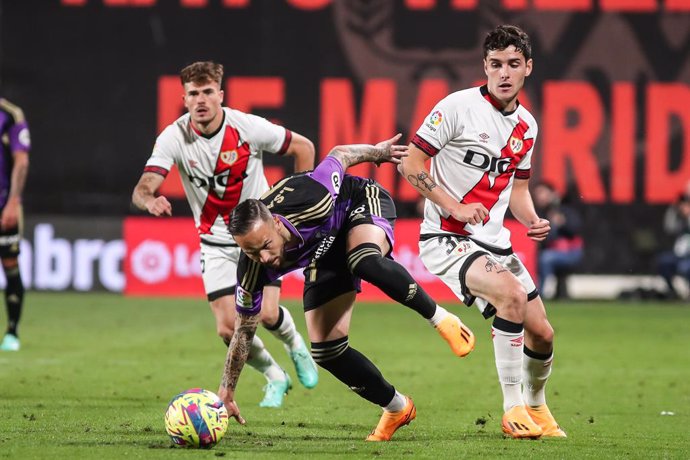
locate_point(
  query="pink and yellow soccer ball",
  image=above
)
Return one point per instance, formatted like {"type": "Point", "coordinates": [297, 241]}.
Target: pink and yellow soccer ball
{"type": "Point", "coordinates": [196, 418]}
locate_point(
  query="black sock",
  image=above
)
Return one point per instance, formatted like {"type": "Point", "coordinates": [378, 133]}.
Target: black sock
{"type": "Point", "coordinates": [14, 298]}
{"type": "Point", "coordinates": [366, 262]}
{"type": "Point", "coordinates": [353, 369]}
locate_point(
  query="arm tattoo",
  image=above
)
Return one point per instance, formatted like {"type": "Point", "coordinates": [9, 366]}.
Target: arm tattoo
{"type": "Point", "coordinates": [422, 181]}
{"type": "Point", "coordinates": [350, 155]}
{"type": "Point", "coordinates": [238, 351]}
{"type": "Point", "coordinates": [491, 265]}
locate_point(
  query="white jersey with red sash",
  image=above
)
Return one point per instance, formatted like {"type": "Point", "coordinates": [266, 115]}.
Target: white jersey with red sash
{"type": "Point", "coordinates": [476, 149]}
{"type": "Point", "coordinates": [220, 170]}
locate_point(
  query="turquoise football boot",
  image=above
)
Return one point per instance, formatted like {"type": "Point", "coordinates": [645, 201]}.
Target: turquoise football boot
{"type": "Point", "coordinates": [10, 343]}
{"type": "Point", "coordinates": [275, 391]}
{"type": "Point", "coordinates": [305, 366]}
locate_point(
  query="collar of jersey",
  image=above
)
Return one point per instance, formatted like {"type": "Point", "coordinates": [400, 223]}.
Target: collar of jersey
{"type": "Point", "coordinates": [291, 228]}
{"type": "Point", "coordinates": [497, 105]}
{"type": "Point", "coordinates": [208, 136]}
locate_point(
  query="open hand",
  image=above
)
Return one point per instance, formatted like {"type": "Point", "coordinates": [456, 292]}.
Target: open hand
{"type": "Point", "coordinates": [389, 152]}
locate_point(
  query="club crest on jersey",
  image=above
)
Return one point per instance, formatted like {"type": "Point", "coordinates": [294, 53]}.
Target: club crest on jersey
{"type": "Point", "coordinates": [515, 144]}
{"type": "Point", "coordinates": [229, 157]}
{"type": "Point", "coordinates": [435, 119]}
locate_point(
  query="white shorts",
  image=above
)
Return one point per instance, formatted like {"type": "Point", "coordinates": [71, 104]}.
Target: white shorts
{"type": "Point", "coordinates": [449, 257]}
{"type": "Point", "coordinates": [219, 270]}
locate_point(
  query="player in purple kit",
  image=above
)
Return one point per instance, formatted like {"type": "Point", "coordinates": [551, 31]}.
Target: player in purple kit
{"type": "Point", "coordinates": [339, 228]}
{"type": "Point", "coordinates": [14, 166]}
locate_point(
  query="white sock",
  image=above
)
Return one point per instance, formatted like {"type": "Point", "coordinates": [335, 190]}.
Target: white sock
{"type": "Point", "coordinates": [535, 373]}
{"type": "Point", "coordinates": [261, 360]}
{"type": "Point", "coordinates": [286, 331]}
{"type": "Point", "coordinates": [439, 316]}
{"type": "Point", "coordinates": [508, 351]}
{"type": "Point", "coordinates": [397, 403]}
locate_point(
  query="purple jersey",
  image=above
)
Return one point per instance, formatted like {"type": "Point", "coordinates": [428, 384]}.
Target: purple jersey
{"type": "Point", "coordinates": [314, 207]}
{"type": "Point", "coordinates": [15, 137]}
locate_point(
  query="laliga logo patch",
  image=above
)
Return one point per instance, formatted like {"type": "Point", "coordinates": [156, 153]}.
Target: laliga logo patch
{"type": "Point", "coordinates": [244, 298]}
{"type": "Point", "coordinates": [228, 157]}
{"type": "Point", "coordinates": [435, 119]}
{"type": "Point", "coordinates": [515, 144]}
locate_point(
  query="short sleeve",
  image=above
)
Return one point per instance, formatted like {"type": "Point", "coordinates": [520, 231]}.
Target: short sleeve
{"type": "Point", "coordinates": [163, 154]}
{"type": "Point", "coordinates": [20, 139]}
{"type": "Point", "coordinates": [264, 135]}
{"type": "Point", "coordinates": [439, 127]}
{"type": "Point", "coordinates": [329, 173]}
{"type": "Point", "coordinates": [251, 279]}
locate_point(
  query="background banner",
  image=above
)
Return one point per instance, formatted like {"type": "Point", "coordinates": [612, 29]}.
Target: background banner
{"type": "Point", "coordinates": [97, 80]}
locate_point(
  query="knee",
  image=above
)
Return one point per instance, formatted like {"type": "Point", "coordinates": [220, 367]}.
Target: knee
{"type": "Point", "coordinates": [512, 301]}
{"type": "Point", "coordinates": [363, 258]}
{"type": "Point", "coordinates": [542, 336]}
{"type": "Point", "coordinates": [225, 332]}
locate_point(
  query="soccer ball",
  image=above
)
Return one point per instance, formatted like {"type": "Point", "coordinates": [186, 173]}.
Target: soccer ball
{"type": "Point", "coordinates": [196, 418]}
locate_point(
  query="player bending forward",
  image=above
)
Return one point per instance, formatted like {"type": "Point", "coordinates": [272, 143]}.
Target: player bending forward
{"type": "Point", "coordinates": [480, 142]}
{"type": "Point", "coordinates": [340, 229]}
{"type": "Point", "coordinates": [218, 152]}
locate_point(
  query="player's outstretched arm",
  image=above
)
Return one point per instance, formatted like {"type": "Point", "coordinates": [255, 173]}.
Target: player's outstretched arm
{"type": "Point", "coordinates": [238, 352]}
{"type": "Point", "coordinates": [302, 149]}
{"type": "Point", "coordinates": [414, 170]}
{"type": "Point", "coordinates": [144, 195]}
{"type": "Point", "coordinates": [383, 152]}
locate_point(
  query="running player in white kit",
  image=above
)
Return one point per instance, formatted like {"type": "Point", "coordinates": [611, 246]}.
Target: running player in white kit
{"type": "Point", "coordinates": [218, 152]}
{"type": "Point", "coordinates": [480, 142]}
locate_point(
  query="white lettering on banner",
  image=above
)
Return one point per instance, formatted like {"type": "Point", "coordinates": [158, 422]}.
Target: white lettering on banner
{"type": "Point", "coordinates": [85, 253]}
{"type": "Point", "coordinates": [186, 264]}
{"type": "Point", "coordinates": [109, 273]}
{"type": "Point", "coordinates": [53, 259]}
{"type": "Point", "coordinates": [60, 264]}
{"type": "Point", "coordinates": [151, 261]}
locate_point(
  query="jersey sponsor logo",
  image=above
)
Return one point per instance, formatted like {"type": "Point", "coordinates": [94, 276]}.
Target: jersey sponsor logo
{"type": "Point", "coordinates": [335, 180]}
{"type": "Point", "coordinates": [435, 119]}
{"type": "Point", "coordinates": [193, 164]}
{"type": "Point", "coordinates": [244, 298]}
{"type": "Point", "coordinates": [323, 248]}
{"type": "Point", "coordinates": [24, 137]}
{"type": "Point", "coordinates": [487, 163]}
{"type": "Point", "coordinates": [497, 176]}
{"type": "Point", "coordinates": [483, 137]}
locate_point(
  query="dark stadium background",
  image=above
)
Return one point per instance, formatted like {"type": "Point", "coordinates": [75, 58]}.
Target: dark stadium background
{"type": "Point", "coordinates": [87, 74]}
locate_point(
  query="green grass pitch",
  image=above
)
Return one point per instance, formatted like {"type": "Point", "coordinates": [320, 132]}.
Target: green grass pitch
{"type": "Point", "coordinates": [96, 372]}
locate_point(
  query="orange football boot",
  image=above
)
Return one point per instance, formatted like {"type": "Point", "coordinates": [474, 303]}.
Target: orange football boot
{"type": "Point", "coordinates": [518, 424]}
{"type": "Point", "coordinates": [459, 337]}
{"type": "Point", "coordinates": [391, 421]}
{"type": "Point", "coordinates": [542, 417]}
